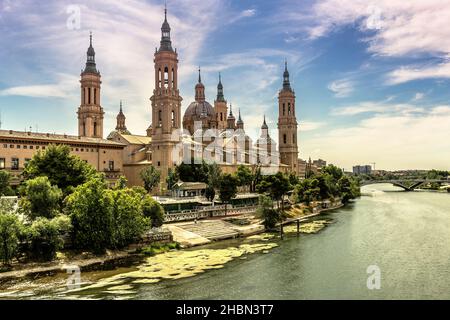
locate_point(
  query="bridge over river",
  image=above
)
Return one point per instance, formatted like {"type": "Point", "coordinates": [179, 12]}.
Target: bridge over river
{"type": "Point", "coordinates": [406, 184]}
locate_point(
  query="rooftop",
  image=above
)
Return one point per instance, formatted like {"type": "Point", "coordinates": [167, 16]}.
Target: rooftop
{"type": "Point", "coordinates": [53, 137]}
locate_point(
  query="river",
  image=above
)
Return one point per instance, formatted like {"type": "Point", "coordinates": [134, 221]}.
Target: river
{"type": "Point", "coordinates": [405, 234]}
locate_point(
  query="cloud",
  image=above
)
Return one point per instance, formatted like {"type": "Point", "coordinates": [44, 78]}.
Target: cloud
{"type": "Point", "coordinates": [62, 89]}
{"type": "Point", "coordinates": [392, 28]}
{"type": "Point", "coordinates": [306, 125]}
{"type": "Point", "coordinates": [376, 107]}
{"type": "Point", "coordinates": [406, 74]}
{"type": "Point", "coordinates": [392, 140]}
{"type": "Point", "coordinates": [243, 14]}
{"type": "Point", "coordinates": [418, 96]}
{"type": "Point", "coordinates": [341, 88]}
{"type": "Point", "coordinates": [125, 36]}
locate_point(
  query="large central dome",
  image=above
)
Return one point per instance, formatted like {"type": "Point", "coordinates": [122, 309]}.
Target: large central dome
{"type": "Point", "coordinates": [199, 111]}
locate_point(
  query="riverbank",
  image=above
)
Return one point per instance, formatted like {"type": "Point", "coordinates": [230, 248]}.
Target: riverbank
{"type": "Point", "coordinates": [113, 259]}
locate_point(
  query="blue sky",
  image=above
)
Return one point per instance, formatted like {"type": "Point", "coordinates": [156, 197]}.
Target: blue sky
{"type": "Point", "coordinates": [371, 77]}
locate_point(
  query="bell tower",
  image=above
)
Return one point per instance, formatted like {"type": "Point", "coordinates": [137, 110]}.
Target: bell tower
{"type": "Point", "coordinates": [166, 104]}
{"type": "Point", "coordinates": [90, 112]}
{"type": "Point", "coordinates": [220, 107]}
{"type": "Point", "coordinates": [287, 125]}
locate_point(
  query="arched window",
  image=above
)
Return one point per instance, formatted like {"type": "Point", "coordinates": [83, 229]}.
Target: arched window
{"type": "Point", "coordinates": [284, 138]}
{"type": "Point", "coordinates": [221, 116]}
{"type": "Point", "coordinates": [84, 128]}
{"type": "Point", "coordinates": [95, 128]}
{"type": "Point", "coordinates": [159, 117]}
{"type": "Point", "coordinates": [284, 109]}
{"type": "Point", "coordinates": [289, 109]}
{"type": "Point", "coordinates": [293, 138]}
{"type": "Point", "coordinates": [166, 77]}
{"type": "Point", "coordinates": [173, 119]}
{"type": "Point", "coordinates": [173, 78]}
{"type": "Point", "coordinates": [159, 78]}
{"type": "Point", "coordinates": [89, 96]}
{"type": "Point", "coordinates": [95, 95]}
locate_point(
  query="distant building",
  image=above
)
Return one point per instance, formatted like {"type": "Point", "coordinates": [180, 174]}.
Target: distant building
{"type": "Point", "coordinates": [319, 163]}
{"type": "Point", "coordinates": [366, 169]}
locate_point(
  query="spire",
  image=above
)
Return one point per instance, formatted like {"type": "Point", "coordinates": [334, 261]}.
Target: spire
{"type": "Point", "coordinates": [220, 96]}
{"type": "Point", "coordinates": [286, 82]}
{"type": "Point", "coordinates": [121, 127]}
{"type": "Point", "coordinates": [199, 89]}
{"type": "Point", "coordinates": [264, 125]}
{"type": "Point", "coordinates": [239, 122]}
{"type": "Point", "coordinates": [90, 61]}
{"type": "Point", "coordinates": [166, 43]}
{"type": "Point", "coordinates": [231, 111]}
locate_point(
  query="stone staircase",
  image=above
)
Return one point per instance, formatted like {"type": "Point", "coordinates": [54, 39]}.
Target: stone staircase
{"type": "Point", "coordinates": [212, 230]}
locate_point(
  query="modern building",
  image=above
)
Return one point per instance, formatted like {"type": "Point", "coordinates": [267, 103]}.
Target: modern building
{"type": "Point", "coordinates": [362, 169]}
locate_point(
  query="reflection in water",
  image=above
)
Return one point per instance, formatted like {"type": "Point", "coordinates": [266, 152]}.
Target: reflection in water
{"type": "Point", "coordinates": [405, 234]}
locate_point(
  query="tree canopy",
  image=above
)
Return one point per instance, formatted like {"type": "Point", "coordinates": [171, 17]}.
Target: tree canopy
{"type": "Point", "coordinates": [64, 170]}
{"type": "Point", "coordinates": [151, 177]}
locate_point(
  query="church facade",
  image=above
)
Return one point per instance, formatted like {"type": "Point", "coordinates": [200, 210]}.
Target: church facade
{"type": "Point", "coordinates": [207, 131]}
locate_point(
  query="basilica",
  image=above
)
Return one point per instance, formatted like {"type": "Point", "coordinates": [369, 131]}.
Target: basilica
{"type": "Point", "coordinates": [205, 130]}
{"type": "Point", "coordinates": [222, 136]}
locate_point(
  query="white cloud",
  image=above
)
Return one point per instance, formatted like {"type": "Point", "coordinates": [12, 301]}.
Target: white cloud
{"type": "Point", "coordinates": [341, 88]}
{"type": "Point", "coordinates": [125, 36]}
{"type": "Point", "coordinates": [376, 107]}
{"type": "Point", "coordinates": [418, 96]}
{"type": "Point", "coordinates": [398, 28]}
{"type": "Point", "coordinates": [406, 74]}
{"type": "Point", "coordinates": [306, 125]}
{"type": "Point", "coordinates": [392, 140]}
{"type": "Point", "coordinates": [62, 89]}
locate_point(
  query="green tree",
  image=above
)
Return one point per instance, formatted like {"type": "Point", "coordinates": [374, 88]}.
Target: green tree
{"type": "Point", "coordinates": [121, 183]}
{"type": "Point", "coordinates": [41, 198]}
{"type": "Point", "coordinates": [210, 193]}
{"type": "Point", "coordinates": [244, 176]}
{"type": "Point", "coordinates": [172, 178]}
{"type": "Point", "coordinates": [333, 171]}
{"type": "Point", "coordinates": [151, 177]}
{"type": "Point", "coordinates": [154, 211]}
{"type": "Point", "coordinates": [227, 189]}
{"type": "Point", "coordinates": [128, 221]}
{"type": "Point", "coordinates": [5, 189]}
{"type": "Point", "coordinates": [214, 175]}
{"type": "Point", "coordinates": [91, 212]}
{"type": "Point", "coordinates": [45, 237]}
{"type": "Point", "coordinates": [276, 186]}
{"type": "Point", "coordinates": [349, 189]}
{"type": "Point", "coordinates": [269, 215]}
{"type": "Point", "coordinates": [10, 232]}
{"type": "Point", "coordinates": [307, 191]}
{"type": "Point", "coordinates": [62, 169]}
{"type": "Point", "coordinates": [193, 172]}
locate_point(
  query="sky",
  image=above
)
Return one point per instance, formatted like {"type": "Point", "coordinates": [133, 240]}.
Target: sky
{"type": "Point", "coordinates": [371, 78]}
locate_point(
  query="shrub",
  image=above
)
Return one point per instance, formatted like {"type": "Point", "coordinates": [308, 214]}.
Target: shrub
{"type": "Point", "coordinates": [10, 232]}
{"type": "Point", "coordinates": [44, 237]}
{"type": "Point", "coordinates": [41, 198]}
{"type": "Point", "coordinates": [90, 210]}
{"type": "Point", "coordinates": [153, 210]}
{"type": "Point", "coordinates": [129, 223]}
